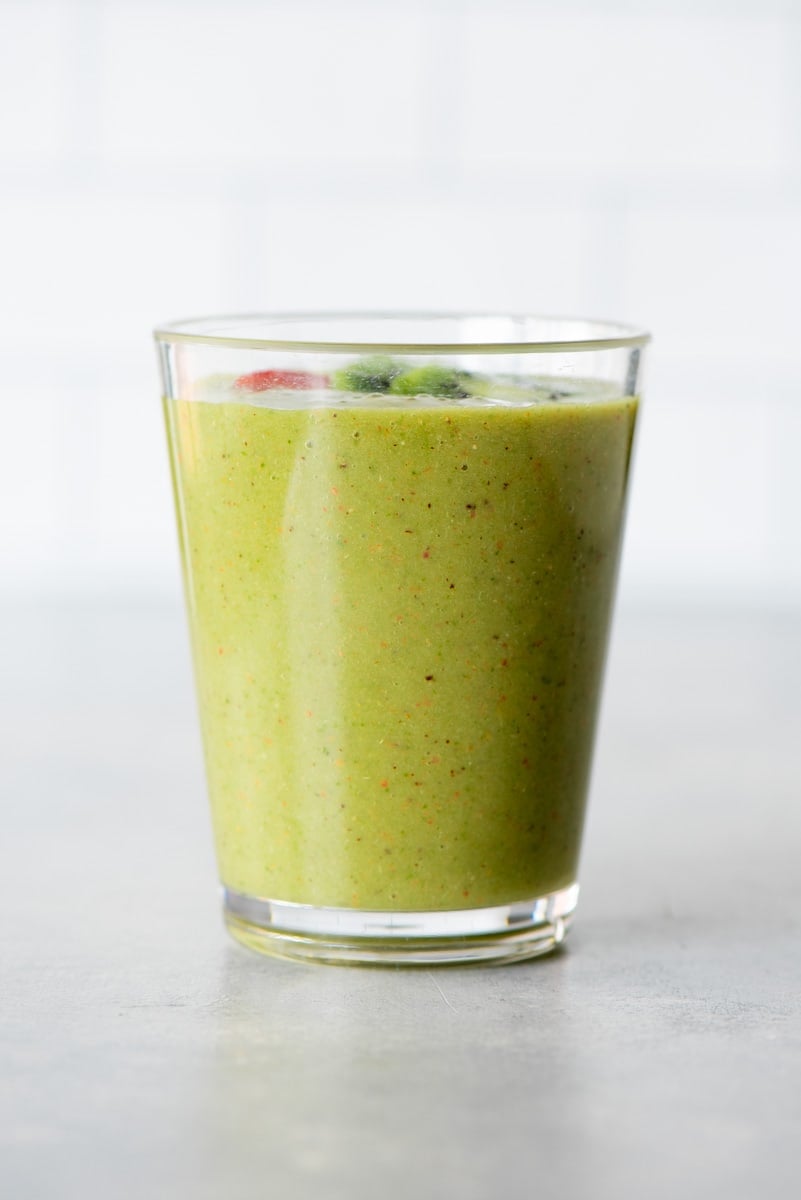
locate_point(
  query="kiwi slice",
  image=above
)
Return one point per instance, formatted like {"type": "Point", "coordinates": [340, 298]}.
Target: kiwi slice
{"type": "Point", "coordinates": [374, 374]}
{"type": "Point", "coordinates": [432, 380]}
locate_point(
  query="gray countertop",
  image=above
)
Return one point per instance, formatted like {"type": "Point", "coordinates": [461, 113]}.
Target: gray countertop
{"type": "Point", "coordinates": [146, 1055]}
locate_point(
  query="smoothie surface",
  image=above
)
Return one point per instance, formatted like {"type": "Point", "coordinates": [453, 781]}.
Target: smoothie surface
{"type": "Point", "coordinates": [399, 609]}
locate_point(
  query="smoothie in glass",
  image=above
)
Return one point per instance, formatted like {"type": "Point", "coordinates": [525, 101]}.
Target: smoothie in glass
{"type": "Point", "coordinates": [399, 592]}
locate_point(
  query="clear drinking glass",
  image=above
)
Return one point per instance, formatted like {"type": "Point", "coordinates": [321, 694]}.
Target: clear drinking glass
{"type": "Point", "coordinates": [400, 537]}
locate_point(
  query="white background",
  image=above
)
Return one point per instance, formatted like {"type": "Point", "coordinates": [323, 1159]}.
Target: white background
{"type": "Point", "coordinates": [638, 161]}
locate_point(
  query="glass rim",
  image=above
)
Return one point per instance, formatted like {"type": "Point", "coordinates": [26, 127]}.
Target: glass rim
{"type": "Point", "coordinates": [601, 335]}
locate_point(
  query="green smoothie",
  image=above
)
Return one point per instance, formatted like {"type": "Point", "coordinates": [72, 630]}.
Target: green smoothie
{"type": "Point", "coordinates": [399, 608]}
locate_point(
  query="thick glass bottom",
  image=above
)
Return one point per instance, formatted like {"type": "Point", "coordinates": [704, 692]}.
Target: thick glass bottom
{"type": "Point", "coordinates": [506, 933]}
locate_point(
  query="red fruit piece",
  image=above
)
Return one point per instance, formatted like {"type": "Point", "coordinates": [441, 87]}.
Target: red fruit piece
{"type": "Point", "coordinates": [263, 381]}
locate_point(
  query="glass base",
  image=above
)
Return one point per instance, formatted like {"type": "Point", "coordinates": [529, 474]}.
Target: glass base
{"type": "Point", "coordinates": [506, 933]}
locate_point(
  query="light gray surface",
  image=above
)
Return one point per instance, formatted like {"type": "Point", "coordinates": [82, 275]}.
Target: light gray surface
{"type": "Point", "coordinates": [144, 1055]}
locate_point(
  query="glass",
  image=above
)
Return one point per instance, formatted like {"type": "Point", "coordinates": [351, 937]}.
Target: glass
{"type": "Point", "coordinates": [400, 537]}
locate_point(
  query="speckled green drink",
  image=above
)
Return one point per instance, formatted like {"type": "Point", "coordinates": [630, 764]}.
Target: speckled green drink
{"type": "Point", "coordinates": [399, 603]}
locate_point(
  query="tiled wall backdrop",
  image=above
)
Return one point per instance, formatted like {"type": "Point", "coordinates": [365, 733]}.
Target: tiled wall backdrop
{"type": "Point", "coordinates": [161, 158]}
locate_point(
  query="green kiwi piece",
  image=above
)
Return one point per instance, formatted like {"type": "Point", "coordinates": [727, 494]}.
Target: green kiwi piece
{"type": "Point", "coordinates": [374, 374]}
{"type": "Point", "coordinates": [432, 380]}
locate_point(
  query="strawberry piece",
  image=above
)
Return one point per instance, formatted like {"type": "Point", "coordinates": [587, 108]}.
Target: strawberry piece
{"type": "Point", "coordinates": [263, 381]}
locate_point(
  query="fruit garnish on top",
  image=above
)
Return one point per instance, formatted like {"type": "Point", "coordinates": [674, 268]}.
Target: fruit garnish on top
{"type": "Point", "coordinates": [373, 374]}
{"type": "Point", "coordinates": [265, 381]}
{"type": "Point", "coordinates": [379, 374]}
